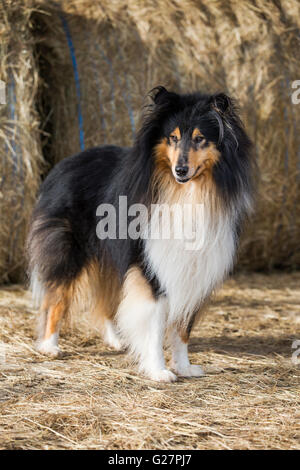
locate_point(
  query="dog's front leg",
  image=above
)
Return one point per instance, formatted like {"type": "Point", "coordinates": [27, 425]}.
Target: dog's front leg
{"type": "Point", "coordinates": [142, 320]}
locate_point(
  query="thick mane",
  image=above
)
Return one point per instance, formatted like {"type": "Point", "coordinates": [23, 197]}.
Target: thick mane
{"type": "Point", "coordinates": [232, 174]}
{"type": "Point", "coordinates": [133, 178]}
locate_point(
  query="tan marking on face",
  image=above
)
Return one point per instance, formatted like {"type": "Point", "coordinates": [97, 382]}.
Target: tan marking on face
{"type": "Point", "coordinates": [177, 133]}
{"type": "Point", "coordinates": [173, 155]}
{"type": "Point", "coordinates": [201, 161]}
{"type": "Point", "coordinates": [166, 157]}
{"type": "Point", "coordinates": [197, 132]}
{"type": "Point", "coordinates": [161, 152]}
{"type": "Point", "coordinates": [173, 149]}
{"type": "Point", "coordinates": [164, 186]}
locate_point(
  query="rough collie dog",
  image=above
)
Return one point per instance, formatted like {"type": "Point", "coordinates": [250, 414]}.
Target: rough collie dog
{"type": "Point", "coordinates": [191, 151]}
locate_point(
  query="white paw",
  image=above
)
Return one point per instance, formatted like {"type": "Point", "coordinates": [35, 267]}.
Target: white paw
{"type": "Point", "coordinates": [162, 375]}
{"type": "Point", "coordinates": [114, 343]}
{"type": "Point", "coordinates": [190, 370]}
{"type": "Point", "coordinates": [49, 347]}
{"type": "Point", "coordinates": [111, 338]}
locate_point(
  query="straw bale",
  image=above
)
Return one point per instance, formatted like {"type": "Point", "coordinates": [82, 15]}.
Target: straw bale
{"type": "Point", "coordinates": [20, 144]}
{"type": "Point", "coordinates": [102, 58]}
{"type": "Point", "coordinates": [83, 68]}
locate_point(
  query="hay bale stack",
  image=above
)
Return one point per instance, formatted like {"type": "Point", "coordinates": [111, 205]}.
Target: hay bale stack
{"type": "Point", "coordinates": [84, 67]}
{"type": "Point", "coordinates": [20, 149]}
{"type": "Point", "coordinates": [101, 59]}
{"type": "Point", "coordinates": [261, 57]}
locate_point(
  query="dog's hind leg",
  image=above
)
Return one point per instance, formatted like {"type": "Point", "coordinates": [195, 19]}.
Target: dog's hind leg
{"type": "Point", "coordinates": [141, 319]}
{"type": "Point", "coordinates": [54, 307]}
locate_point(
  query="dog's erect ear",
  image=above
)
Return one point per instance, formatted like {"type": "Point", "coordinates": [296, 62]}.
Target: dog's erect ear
{"type": "Point", "coordinates": [224, 110]}
{"type": "Point", "coordinates": [222, 103]}
{"type": "Point", "coordinates": [159, 94]}
{"type": "Point", "coordinates": [162, 97]}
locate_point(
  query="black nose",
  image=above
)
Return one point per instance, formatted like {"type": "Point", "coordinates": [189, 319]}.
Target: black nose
{"type": "Point", "coordinates": [181, 170]}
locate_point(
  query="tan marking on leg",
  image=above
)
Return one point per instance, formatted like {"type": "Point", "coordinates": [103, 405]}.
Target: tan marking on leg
{"type": "Point", "coordinates": [106, 298]}
{"type": "Point", "coordinates": [184, 334]}
{"type": "Point", "coordinates": [96, 290]}
{"type": "Point", "coordinates": [184, 330]}
{"type": "Point", "coordinates": [54, 307]}
{"type": "Point", "coordinates": [57, 305]}
{"type": "Point", "coordinates": [136, 284]}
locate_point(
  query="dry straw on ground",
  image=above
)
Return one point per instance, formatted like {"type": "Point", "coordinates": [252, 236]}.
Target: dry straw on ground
{"type": "Point", "coordinates": [20, 149]}
{"type": "Point", "coordinates": [92, 399]}
{"type": "Point", "coordinates": [101, 58]}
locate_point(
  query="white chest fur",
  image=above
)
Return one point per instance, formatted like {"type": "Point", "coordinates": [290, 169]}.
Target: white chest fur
{"type": "Point", "coordinates": [187, 272]}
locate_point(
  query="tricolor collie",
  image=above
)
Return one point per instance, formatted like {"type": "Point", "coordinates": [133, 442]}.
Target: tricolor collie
{"type": "Point", "coordinates": [191, 151]}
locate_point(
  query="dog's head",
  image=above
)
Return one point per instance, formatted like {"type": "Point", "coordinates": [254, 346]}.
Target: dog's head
{"type": "Point", "coordinates": [195, 130]}
{"type": "Point", "coordinates": [194, 137]}
{"type": "Point", "coordinates": [187, 149]}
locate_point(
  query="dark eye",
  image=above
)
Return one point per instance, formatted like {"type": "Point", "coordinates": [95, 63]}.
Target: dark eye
{"type": "Point", "coordinates": [173, 138]}
{"type": "Point", "coordinates": [198, 139]}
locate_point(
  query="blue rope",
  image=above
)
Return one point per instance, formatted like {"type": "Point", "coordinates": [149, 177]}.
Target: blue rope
{"type": "Point", "coordinates": [76, 78]}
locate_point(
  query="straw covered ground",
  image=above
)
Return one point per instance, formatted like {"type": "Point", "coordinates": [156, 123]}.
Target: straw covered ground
{"type": "Point", "coordinates": [92, 397]}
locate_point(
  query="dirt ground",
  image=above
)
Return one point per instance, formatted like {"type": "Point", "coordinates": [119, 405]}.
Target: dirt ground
{"type": "Point", "coordinates": [92, 397]}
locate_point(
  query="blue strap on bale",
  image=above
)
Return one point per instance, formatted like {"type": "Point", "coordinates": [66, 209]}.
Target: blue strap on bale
{"type": "Point", "coordinates": [76, 78]}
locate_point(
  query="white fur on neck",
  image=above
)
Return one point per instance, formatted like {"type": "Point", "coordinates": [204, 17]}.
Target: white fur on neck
{"type": "Point", "coordinates": [189, 276]}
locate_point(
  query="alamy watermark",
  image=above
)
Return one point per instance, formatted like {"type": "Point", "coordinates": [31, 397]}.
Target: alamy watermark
{"type": "Point", "coordinates": [296, 93]}
{"type": "Point", "coordinates": [296, 353]}
{"type": "Point", "coordinates": [183, 222]}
